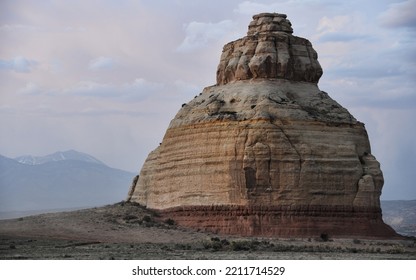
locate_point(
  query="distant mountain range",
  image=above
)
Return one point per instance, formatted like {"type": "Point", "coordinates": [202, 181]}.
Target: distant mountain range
{"type": "Point", "coordinates": [58, 156]}
{"type": "Point", "coordinates": [400, 215]}
{"type": "Point", "coordinates": [60, 180]}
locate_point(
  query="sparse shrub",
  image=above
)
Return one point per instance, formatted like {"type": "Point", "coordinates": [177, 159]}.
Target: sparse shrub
{"type": "Point", "coordinates": [207, 245]}
{"type": "Point", "coordinates": [216, 244]}
{"type": "Point", "coordinates": [183, 247]}
{"type": "Point", "coordinates": [242, 245]}
{"type": "Point", "coordinates": [147, 219]}
{"type": "Point", "coordinates": [353, 250]}
{"type": "Point", "coordinates": [129, 217]}
{"type": "Point", "coordinates": [356, 241]}
{"type": "Point", "coordinates": [169, 222]}
{"type": "Point", "coordinates": [324, 237]}
{"type": "Point", "coordinates": [395, 250]}
{"type": "Point", "coordinates": [225, 242]}
{"type": "Point", "coordinates": [166, 248]}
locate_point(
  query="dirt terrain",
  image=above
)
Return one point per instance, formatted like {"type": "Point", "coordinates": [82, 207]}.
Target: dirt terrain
{"type": "Point", "coordinates": [128, 231]}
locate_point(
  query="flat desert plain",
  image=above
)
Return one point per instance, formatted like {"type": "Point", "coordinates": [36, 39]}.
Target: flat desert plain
{"type": "Point", "coordinates": [128, 231]}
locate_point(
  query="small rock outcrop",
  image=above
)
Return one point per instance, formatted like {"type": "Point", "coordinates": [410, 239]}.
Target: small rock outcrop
{"type": "Point", "coordinates": [265, 152]}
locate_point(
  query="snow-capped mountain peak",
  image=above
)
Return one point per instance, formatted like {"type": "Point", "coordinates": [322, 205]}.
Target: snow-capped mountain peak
{"type": "Point", "coordinates": [58, 156]}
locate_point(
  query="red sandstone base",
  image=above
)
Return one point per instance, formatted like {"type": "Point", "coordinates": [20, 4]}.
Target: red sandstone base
{"type": "Point", "coordinates": [284, 221]}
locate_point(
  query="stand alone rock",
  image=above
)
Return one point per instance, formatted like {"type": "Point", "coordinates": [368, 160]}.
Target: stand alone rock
{"type": "Point", "coordinates": [265, 152]}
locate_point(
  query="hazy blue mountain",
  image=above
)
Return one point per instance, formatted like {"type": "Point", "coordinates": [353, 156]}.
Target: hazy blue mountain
{"type": "Point", "coordinates": [58, 156]}
{"type": "Point", "coordinates": [400, 215]}
{"type": "Point", "coordinates": [60, 180]}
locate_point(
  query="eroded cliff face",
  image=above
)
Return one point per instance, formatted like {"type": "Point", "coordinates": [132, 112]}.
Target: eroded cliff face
{"type": "Point", "coordinates": [265, 151]}
{"type": "Point", "coordinates": [269, 51]}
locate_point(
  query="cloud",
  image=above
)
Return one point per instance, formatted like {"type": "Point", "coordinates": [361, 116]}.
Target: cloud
{"type": "Point", "coordinates": [334, 24]}
{"type": "Point", "coordinates": [30, 89]}
{"type": "Point", "coordinates": [401, 14]}
{"type": "Point", "coordinates": [251, 8]}
{"type": "Point", "coordinates": [187, 88]}
{"type": "Point", "coordinates": [362, 68]}
{"type": "Point", "coordinates": [90, 111]}
{"type": "Point", "coordinates": [101, 62]}
{"type": "Point", "coordinates": [18, 64]}
{"type": "Point", "coordinates": [135, 91]}
{"type": "Point", "coordinates": [342, 28]}
{"type": "Point", "coordinates": [90, 88]}
{"type": "Point", "coordinates": [341, 37]}
{"type": "Point", "coordinates": [199, 34]}
{"type": "Point", "coordinates": [19, 28]}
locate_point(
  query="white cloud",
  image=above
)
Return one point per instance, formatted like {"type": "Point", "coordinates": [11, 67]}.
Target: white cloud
{"type": "Point", "coordinates": [343, 28]}
{"type": "Point", "coordinates": [199, 34]}
{"type": "Point", "coordinates": [19, 27]}
{"type": "Point", "coordinates": [334, 24]}
{"type": "Point", "coordinates": [252, 8]}
{"type": "Point", "coordinates": [90, 88]}
{"type": "Point", "coordinates": [101, 62]}
{"type": "Point", "coordinates": [401, 14]}
{"type": "Point", "coordinates": [18, 64]}
{"type": "Point", "coordinates": [135, 91]}
{"type": "Point", "coordinates": [187, 89]}
{"type": "Point", "coordinates": [30, 89]}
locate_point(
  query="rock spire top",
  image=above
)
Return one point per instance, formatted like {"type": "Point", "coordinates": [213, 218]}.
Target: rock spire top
{"type": "Point", "coordinates": [269, 51]}
{"type": "Point", "coordinates": [269, 22]}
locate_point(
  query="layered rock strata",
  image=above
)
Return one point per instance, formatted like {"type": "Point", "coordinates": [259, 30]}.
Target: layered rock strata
{"type": "Point", "coordinates": [265, 152]}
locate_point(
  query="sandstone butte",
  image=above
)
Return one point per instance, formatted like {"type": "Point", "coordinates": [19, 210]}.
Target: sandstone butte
{"type": "Point", "coordinates": [265, 152]}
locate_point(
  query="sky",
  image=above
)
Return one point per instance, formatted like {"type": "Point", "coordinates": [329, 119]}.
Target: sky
{"type": "Point", "coordinates": [106, 77]}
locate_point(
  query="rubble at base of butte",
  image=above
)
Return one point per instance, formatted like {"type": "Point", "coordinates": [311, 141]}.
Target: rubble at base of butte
{"type": "Point", "coordinates": [265, 152]}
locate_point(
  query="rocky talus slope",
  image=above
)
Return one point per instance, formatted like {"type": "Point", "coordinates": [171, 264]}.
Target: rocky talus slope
{"type": "Point", "coordinates": [265, 152]}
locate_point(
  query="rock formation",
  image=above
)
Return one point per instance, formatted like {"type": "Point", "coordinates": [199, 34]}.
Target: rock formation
{"type": "Point", "coordinates": [265, 152]}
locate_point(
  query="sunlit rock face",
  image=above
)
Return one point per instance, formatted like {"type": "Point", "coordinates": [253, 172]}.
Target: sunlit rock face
{"type": "Point", "coordinates": [269, 51]}
{"type": "Point", "coordinates": [265, 152]}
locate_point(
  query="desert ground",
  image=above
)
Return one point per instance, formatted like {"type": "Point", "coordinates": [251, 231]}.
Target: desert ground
{"type": "Point", "coordinates": [128, 231]}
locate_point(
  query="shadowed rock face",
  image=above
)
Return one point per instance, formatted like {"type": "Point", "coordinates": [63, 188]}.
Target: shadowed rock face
{"type": "Point", "coordinates": [265, 152]}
